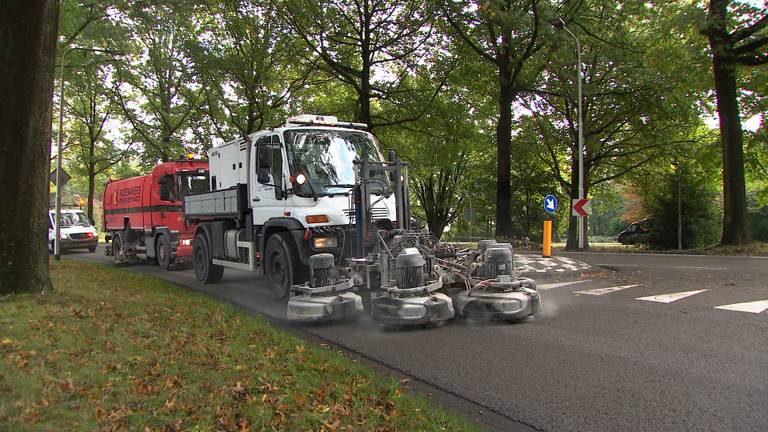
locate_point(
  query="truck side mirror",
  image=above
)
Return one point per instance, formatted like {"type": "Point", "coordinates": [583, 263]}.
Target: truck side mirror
{"type": "Point", "coordinates": [165, 188]}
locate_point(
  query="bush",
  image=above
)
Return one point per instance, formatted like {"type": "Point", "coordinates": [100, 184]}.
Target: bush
{"type": "Point", "coordinates": [701, 214]}
{"type": "Point", "coordinates": [758, 224]}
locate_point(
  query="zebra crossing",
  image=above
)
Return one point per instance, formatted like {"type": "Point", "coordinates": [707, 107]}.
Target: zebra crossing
{"type": "Point", "coordinates": [754, 307]}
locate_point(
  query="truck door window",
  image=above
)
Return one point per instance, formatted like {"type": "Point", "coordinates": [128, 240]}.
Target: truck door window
{"type": "Point", "coordinates": [264, 158]}
{"type": "Point", "coordinates": [165, 190]}
{"type": "Point", "coordinates": [277, 167]}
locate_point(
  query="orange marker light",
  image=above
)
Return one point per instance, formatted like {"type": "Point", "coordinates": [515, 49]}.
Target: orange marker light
{"type": "Point", "coordinates": [313, 219]}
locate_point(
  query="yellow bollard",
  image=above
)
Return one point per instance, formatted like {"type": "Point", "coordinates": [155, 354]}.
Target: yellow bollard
{"type": "Point", "coordinates": [546, 250]}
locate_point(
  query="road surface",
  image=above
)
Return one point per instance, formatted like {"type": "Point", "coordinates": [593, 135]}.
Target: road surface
{"type": "Point", "coordinates": [640, 343]}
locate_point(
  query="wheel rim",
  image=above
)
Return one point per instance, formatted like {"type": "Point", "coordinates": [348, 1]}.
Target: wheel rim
{"type": "Point", "coordinates": [162, 251]}
{"type": "Point", "coordinates": [277, 269]}
{"type": "Point", "coordinates": [200, 261]}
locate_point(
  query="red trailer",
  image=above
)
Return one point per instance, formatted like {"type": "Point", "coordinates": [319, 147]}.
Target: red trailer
{"type": "Point", "coordinates": [144, 215]}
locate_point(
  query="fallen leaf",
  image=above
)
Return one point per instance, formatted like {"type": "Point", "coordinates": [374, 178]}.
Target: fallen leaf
{"type": "Point", "coordinates": [239, 392]}
{"type": "Point", "coordinates": [67, 386]}
{"type": "Point", "coordinates": [243, 425]}
{"type": "Point", "coordinates": [170, 403]}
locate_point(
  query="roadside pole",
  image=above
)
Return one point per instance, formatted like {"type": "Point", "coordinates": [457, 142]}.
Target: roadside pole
{"type": "Point", "coordinates": [546, 249]}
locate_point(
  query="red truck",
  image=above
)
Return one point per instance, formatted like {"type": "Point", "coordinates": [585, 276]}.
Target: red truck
{"type": "Point", "coordinates": [144, 215]}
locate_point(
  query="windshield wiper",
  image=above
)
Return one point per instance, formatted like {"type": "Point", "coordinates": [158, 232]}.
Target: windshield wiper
{"type": "Point", "coordinates": [340, 185]}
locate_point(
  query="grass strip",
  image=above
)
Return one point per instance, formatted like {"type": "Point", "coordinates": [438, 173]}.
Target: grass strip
{"type": "Point", "coordinates": [113, 350]}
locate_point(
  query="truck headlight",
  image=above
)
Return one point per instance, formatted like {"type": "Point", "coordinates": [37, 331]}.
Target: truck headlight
{"type": "Point", "coordinates": [64, 235]}
{"type": "Point", "coordinates": [324, 242]}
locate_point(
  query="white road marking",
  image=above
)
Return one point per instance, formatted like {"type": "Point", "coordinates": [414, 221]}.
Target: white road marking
{"type": "Point", "coordinates": [669, 298]}
{"type": "Point", "coordinates": [560, 284]}
{"type": "Point", "coordinates": [701, 268]}
{"type": "Point", "coordinates": [752, 307]}
{"type": "Point", "coordinates": [601, 291]}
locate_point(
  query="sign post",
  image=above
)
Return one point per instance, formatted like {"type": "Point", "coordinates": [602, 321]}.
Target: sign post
{"type": "Point", "coordinates": [550, 206]}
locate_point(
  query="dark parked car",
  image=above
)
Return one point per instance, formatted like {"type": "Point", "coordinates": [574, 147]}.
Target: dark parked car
{"type": "Point", "coordinates": [636, 232]}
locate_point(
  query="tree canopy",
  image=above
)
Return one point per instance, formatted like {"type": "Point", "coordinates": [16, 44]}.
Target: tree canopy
{"type": "Point", "coordinates": [480, 96]}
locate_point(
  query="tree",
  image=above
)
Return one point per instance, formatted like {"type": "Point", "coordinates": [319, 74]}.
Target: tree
{"type": "Point", "coordinates": [27, 53]}
{"type": "Point", "coordinates": [737, 38]}
{"type": "Point", "coordinates": [356, 39]}
{"type": "Point", "coordinates": [635, 104]}
{"type": "Point", "coordinates": [157, 90]}
{"type": "Point", "coordinates": [506, 34]}
{"type": "Point", "coordinates": [250, 65]}
{"type": "Point", "coordinates": [89, 111]}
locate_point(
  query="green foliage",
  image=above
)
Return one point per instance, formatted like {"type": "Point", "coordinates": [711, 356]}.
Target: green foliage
{"type": "Point", "coordinates": [701, 217]}
{"type": "Point", "coordinates": [758, 224]}
{"type": "Point", "coordinates": [444, 82]}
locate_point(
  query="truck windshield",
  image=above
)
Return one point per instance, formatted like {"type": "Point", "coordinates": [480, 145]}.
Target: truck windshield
{"type": "Point", "coordinates": [325, 157]}
{"type": "Point", "coordinates": [69, 219]}
{"type": "Point", "coordinates": [192, 182]}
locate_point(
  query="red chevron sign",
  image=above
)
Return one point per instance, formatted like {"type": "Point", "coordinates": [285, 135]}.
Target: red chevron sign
{"type": "Point", "coordinates": [581, 207]}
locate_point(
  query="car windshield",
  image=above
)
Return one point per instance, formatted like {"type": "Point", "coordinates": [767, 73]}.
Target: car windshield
{"type": "Point", "coordinates": [326, 156]}
{"type": "Point", "coordinates": [69, 219]}
{"type": "Point", "coordinates": [192, 182]}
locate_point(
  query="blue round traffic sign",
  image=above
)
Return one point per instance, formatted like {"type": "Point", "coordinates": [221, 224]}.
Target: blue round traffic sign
{"type": "Point", "coordinates": [550, 204]}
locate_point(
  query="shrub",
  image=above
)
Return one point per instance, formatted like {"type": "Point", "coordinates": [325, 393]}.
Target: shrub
{"type": "Point", "coordinates": [701, 214]}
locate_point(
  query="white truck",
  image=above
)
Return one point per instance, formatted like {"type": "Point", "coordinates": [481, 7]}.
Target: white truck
{"type": "Point", "coordinates": [314, 206]}
{"type": "Point", "coordinates": [279, 196]}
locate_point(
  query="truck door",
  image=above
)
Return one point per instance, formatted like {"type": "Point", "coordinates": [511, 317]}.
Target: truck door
{"type": "Point", "coordinates": [268, 179]}
{"type": "Point", "coordinates": [165, 205]}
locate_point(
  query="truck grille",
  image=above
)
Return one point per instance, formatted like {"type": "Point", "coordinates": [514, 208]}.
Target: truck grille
{"type": "Point", "coordinates": [78, 236]}
{"type": "Point", "coordinates": [376, 213]}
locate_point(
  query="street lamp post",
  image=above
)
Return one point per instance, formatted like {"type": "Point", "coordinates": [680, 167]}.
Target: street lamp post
{"type": "Point", "coordinates": [57, 240]}
{"type": "Point", "coordinates": [559, 23]}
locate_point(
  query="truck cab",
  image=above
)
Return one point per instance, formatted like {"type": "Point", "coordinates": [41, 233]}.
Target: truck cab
{"type": "Point", "coordinates": [143, 215]}
{"type": "Point", "coordinates": [279, 196]}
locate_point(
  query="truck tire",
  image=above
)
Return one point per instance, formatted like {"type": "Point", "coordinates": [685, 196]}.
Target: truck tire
{"type": "Point", "coordinates": [205, 271]}
{"type": "Point", "coordinates": [283, 266]}
{"type": "Point", "coordinates": [163, 252]}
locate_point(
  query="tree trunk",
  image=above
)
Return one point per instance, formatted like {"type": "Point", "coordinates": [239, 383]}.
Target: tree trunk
{"type": "Point", "coordinates": [91, 187]}
{"type": "Point", "coordinates": [572, 239]}
{"type": "Point", "coordinates": [734, 188]}
{"type": "Point", "coordinates": [503, 149]}
{"type": "Point", "coordinates": [91, 173]}
{"type": "Point", "coordinates": [27, 53]}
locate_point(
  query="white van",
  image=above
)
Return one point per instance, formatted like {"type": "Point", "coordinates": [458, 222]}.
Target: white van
{"type": "Point", "coordinates": [77, 232]}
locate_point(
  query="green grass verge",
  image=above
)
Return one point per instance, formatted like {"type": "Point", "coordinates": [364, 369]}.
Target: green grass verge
{"type": "Point", "coordinates": [112, 350]}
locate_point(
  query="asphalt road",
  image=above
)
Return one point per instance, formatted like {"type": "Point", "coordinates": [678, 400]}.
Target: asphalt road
{"type": "Point", "coordinates": [637, 344]}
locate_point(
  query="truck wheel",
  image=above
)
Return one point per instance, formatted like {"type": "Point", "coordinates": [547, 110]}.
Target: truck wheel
{"type": "Point", "coordinates": [282, 265]}
{"type": "Point", "coordinates": [163, 253]}
{"type": "Point", "coordinates": [205, 271]}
